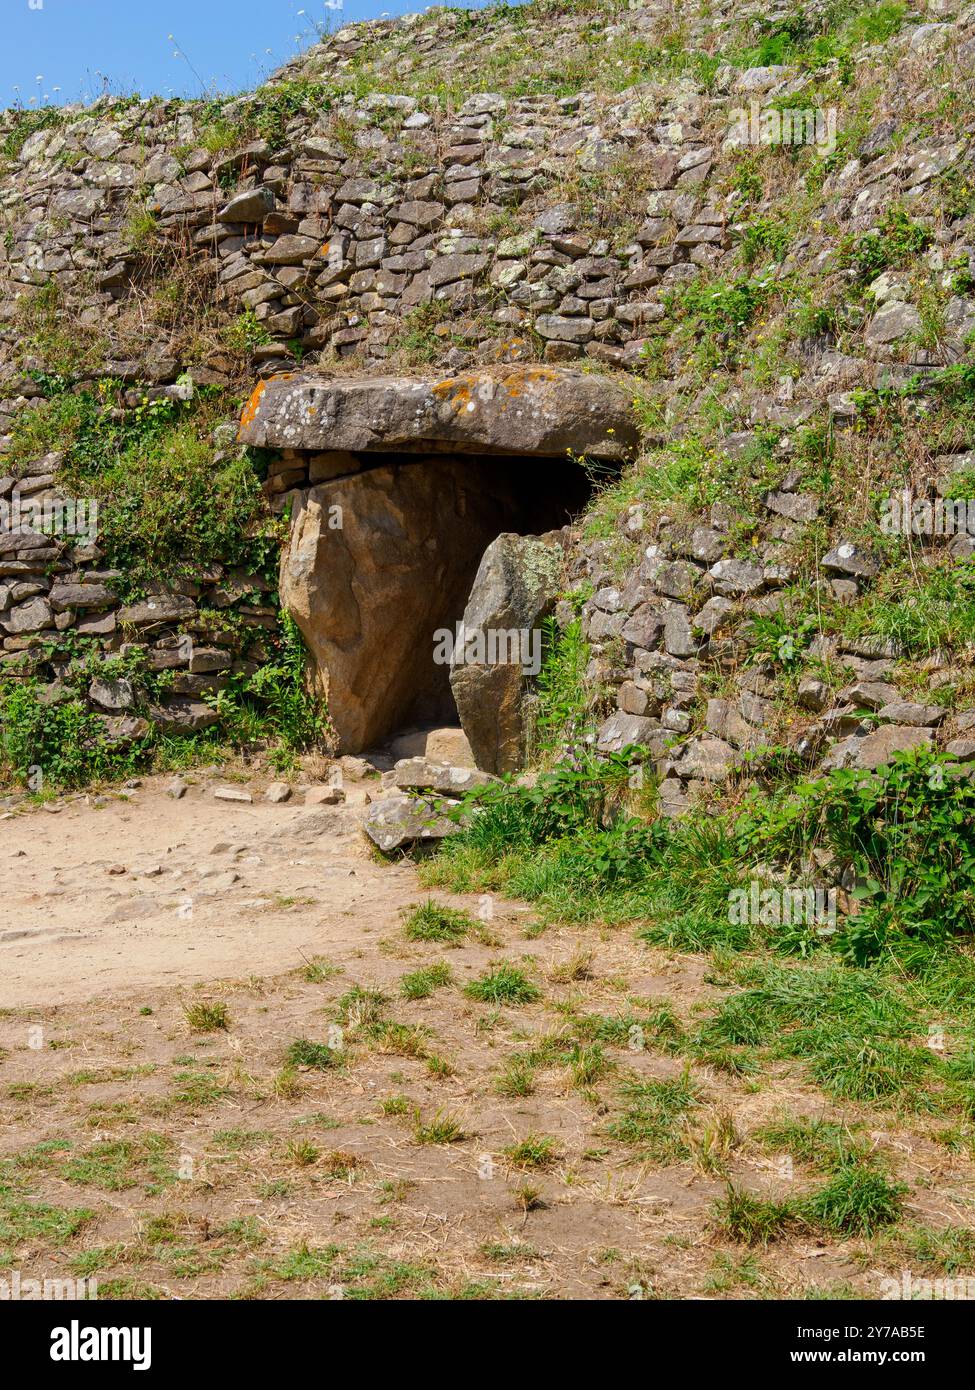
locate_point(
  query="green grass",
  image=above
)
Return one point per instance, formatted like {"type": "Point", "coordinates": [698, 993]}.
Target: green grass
{"type": "Point", "coordinates": [946, 1251]}
{"type": "Point", "coordinates": [855, 1202]}
{"type": "Point", "coordinates": [920, 613]}
{"type": "Point", "coordinates": [501, 1252]}
{"type": "Point", "coordinates": [730, 1272]}
{"type": "Point", "coordinates": [852, 1010]}
{"type": "Point", "coordinates": [443, 1128]}
{"type": "Point", "coordinates": [395, 1105]}
{"type": "Point", "coordinates": [318, 972]}
{"type": "Point", "coordinates": [517, 1079]}
{"type": "Point", "coordinates": [420, 984]}
{"type": "Point", "coordinates": [854, 1030]}
{"type": "Point", "coordinates": [504, 984]}
{"type": "Point", "coordinates": [207, 1018]}
{"type": "Point", "coordinates": [562, 697]}
{"type": "Point", "coordinates": [195, 1090]}
{"type": "Point", "coordinates": [717, 313]}
{"type": "Point", "coordinates": [824, 1144]}
{"type": "Point", "coordinates": [653, 1120]}
{"type": "Point", "coordinates": [751, 1220]}
{"type": "Point", "coordinates": [302, 1263]}
{"type": "Point", "coordinates": [304, 1053]}
{"type": "Point", "coordinates": [534, 1151]}
{"type": "Point", "coordinates": [26, 123]}
{"type": "Point", "coordinates": [361, 1009]}
{"type": "Point", "coordinates": [432, 921]}
{"type": "Point", "coordinates": [895, 243]}
{"type": "Point", "coordinates": [25, 1220]}
{"type": "Point", "coordinates": [116, 1165]}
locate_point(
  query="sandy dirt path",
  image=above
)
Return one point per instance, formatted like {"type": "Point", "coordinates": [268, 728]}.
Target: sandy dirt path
{"type": "Point", "coordinates": [178, 1120]}
{"type": "Point", "coordinates": [146, 890]}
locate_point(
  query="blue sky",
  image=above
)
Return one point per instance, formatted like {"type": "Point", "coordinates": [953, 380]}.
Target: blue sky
{"type": "Point", "coordinates": [73, 46]}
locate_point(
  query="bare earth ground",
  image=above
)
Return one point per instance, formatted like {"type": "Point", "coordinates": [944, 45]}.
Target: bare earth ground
{"type": "Point", "coordinates": [169, 1162]}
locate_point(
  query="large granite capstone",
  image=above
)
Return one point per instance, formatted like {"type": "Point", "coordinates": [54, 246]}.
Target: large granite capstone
{"type": "Point", "coordinates": [526, 410]}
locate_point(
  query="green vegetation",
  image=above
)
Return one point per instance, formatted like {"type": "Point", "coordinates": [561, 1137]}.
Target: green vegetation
{"type": "Point", "coordinates": [25, 1220]}
{"type": "Point", "coordinates": [854, 1202]}
{"type": "Point", "coordinates": [653, 1117]}
{"type": "Point", "coordinates": [420, 984]}
{"type": "Point", "coordinates": [441, 1129]}
{"type": "Point", "coordinates": [205, 1017]}
{"type": "Point", "coordinates": [52, 745]}
{"type": "Point", "coordinates": [921, 614]}
{"type": "Point", "coordinates": [304, 1053]}
{"type": "Point", "coordinates": [504, 984]}
{"type": "Point", "coordinates": [167, 509]}
{"type": "Point", "coordinates": [245, 333]}
{"type": "Point", "coordinates": [416, 340]}
{"type": "Point", "coordinates": [535, 1151]}
{"type": "Point", "coordinates": [432, 921]}
{"type": "Point", "coordinates": [810, 41]}
{"type": "Point", "coordinates": [717, 312]}
{"type": "Point", "coordinates": [561, 713]}
{"type": "Point", "coordinates": [168, 512]}
{"type": "Point", "coordinates": [47, 329]}
{"type": "Point", "coordinates": [765, 237]}
{"type": "Point", "coordinates": [60, 745]}
{"type": "Point", "coordinates": [824, 1144]}
{"type": "Point", "coordinates": [905, 830]}
{"type": "Point", "coordinates": [25, 124]}
{"type": "Point", "coordinates": [262, 115]}
{"type": "Point", "coordinates": [897, 240]}
{"type": "Point", "coordinates": [853, 1011]}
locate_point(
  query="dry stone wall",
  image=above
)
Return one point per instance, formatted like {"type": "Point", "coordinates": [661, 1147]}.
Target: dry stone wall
{"type": "Point", "coordinates": [358, 216]}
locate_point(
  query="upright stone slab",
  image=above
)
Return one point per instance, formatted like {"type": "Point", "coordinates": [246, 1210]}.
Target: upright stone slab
{"type": "Point", "coordinates": [516, 588]}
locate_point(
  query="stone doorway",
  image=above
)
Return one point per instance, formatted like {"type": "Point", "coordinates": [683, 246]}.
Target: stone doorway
{"type": "Point", "coordinates": [396, 491]}
{"type": "Point", "coordinates": [382, 561]}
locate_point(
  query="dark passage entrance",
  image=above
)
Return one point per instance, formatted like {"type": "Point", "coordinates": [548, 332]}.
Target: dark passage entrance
{"type": "Point", "coordinates": [371, 591]}
{"type": "Point", "coordinates": [525, 496]}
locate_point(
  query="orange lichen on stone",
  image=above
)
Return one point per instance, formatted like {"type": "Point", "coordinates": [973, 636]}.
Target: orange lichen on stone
{"type": "Point", "coordinates": [516, 378]}
{"type": "Point", "coordinates": [455, 392]}
{"type": "Point", "coordinates": [253, 404]}
{"type": "Point", "coordinates": [461, 391]}
{"type": "Point", "coordinates": [249, 412]}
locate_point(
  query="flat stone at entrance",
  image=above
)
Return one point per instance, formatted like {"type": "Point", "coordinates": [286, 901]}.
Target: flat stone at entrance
{"type": "Point", "coordinates": [525, 410]}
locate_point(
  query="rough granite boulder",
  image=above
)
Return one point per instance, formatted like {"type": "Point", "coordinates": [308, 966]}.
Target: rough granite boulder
{"type": "Point", "coordinates": [183, 716]}
{"type": "Point", "coordinates": [536, 410]}
{"type": "Point", "coordinates": [498, 650]}
{"type": "Point", "coordinates": [419, 774]}
{"type": "Point", "coordinates": [874, 749]}
{"type": "Point", "coordinates": [397, 821]}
